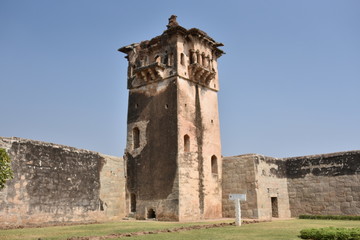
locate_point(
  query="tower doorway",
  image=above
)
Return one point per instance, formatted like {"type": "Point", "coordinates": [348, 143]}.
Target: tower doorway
{"type": "Point", "coordinates": [133, 202]}
{"type": "Point", "coordinates": [151, 214]}
{"type": "Point", "coordinates": [274, 207]}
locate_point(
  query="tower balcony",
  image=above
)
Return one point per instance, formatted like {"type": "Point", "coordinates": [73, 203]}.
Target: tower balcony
{"type": "Point", "coordinates": [201, 74]}
{"type": "Point", "coordinates": [150, 73]}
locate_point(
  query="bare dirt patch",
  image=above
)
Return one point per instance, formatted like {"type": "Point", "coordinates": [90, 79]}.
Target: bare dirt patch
{"type": "Point", "coordinates": [169, 230]}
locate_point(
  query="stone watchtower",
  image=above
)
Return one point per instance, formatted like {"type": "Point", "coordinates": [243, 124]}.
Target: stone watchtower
{"type": "Point", "coordinates": [173, 152]}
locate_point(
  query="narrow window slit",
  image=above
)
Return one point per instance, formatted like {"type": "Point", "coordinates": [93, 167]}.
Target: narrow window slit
{"type": "Point", "coordinates": [186, 143]}
{"type": "Point", "coordinates": [136, 137]}
{"type": "Point", "coordinates": [214, 165]}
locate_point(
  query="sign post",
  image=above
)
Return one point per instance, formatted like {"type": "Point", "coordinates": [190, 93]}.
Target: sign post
{"type": "Point", "coordinates": [237, 198]}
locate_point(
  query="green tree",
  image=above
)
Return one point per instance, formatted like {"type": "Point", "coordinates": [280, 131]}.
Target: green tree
{"type": "Point", "coordinates": [5, 169]}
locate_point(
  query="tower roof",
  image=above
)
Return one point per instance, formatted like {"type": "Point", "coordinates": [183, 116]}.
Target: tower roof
{"type": "Point", "coordinates": [173, 28]}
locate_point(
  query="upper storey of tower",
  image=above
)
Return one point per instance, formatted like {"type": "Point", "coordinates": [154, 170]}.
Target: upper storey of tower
{"type": "Point", "coordinates": [188, 53]}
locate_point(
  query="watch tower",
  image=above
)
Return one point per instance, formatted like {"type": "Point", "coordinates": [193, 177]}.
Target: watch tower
{"type": "Point", "coordinates": [173, 152]}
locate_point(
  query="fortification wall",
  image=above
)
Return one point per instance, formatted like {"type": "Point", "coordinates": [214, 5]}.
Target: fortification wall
{"type": "Point", "coordinates": [324, 184]}
{"type": "Point", "coordinates": [271, 188]}
{"type": "Point", "coordinates": [239, 177]}
{"type": "Point", "coordinates": [319, 184]}
{"type": "Point", "coordinates": [54, 183]}
{"type": "Point", "coordinates": [263, 181]}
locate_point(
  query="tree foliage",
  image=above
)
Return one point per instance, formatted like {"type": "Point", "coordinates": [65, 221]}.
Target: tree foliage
{"type": "Point", "coordinates": [5, 168]}
{"type": "Point", "coordinates": [331, 233]}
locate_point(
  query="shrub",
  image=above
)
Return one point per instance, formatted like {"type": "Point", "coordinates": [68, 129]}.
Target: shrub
{"type": "Point", "coordinates": [331, 233]}
{"type": "Point", "coordinates": [329, 217]}
{"type": "Point", "coordinates": [5, 168]}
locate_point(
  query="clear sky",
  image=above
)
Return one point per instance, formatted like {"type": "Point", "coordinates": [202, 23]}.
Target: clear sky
{"type": "Point", "coordinates": [289, 80]}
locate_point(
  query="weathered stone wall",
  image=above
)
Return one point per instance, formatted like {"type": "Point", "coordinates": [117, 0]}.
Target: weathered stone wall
{"type": "Point", "coordinates": [200, 167]}
{"type": "Point", "coordinates": [188, 160]}
{"type": "Point", "coordinates": [319, 184]}
{"type": "Point", "coordinates": [54, 183]}
{"type": "Point", "coordinates": [261, 179]}
{"type": "Point", "coordinates": [324, 184]}
{"type": "Point", "coordinates": [112, 188]}
{"type": "Point", "coordinates": [239, 177]}
{"type": "Point", "coordinates": [271, 187]}
{"type": "Point", "coordinates": [152, 166]}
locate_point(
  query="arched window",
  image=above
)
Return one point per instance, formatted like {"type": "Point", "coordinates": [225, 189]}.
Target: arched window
{"type": "Point", "coordinates": [182, 61]}
{"type": "Point", "coordinates": [214, 165]}
{"type": "Point", "coordinates": [171, 59]}
{"type": "Point", "coordinates": [136, 137]}
{"type": "Point", "coordinates": [157, 59]}
{"type": "Point", "coordinates": [193, 56]}
{"type": "Point", "coordinates": [198, 57]}
{"type": "Point", "coordinates": [131, 70]}
{"type": "Point", "coordinates": [166, 58]}
{"type": "Point", "coordinates": [186, 143]}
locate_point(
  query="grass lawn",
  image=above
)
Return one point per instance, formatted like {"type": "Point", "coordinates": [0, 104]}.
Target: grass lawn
{"type": "Point", "coordinates": [280, 229]}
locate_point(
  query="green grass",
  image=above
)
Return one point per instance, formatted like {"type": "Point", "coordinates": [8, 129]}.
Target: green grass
{"type": "Point", "coordinates": [279, 230]}
{"type": "Point", "coordinates": [63, 232]}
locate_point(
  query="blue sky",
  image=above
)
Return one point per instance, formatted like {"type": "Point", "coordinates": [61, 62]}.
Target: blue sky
{"type": "Point", "coordinates": [289, 80]}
